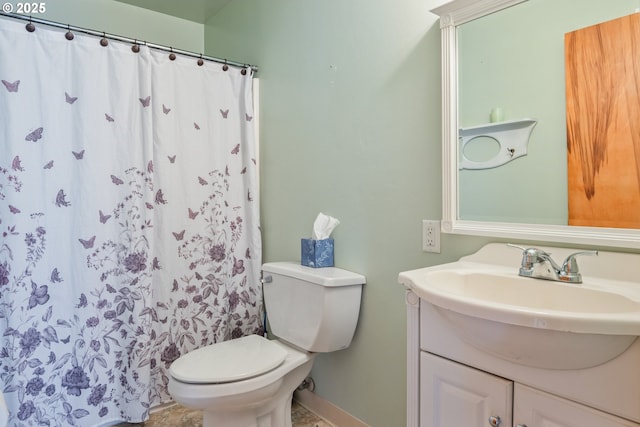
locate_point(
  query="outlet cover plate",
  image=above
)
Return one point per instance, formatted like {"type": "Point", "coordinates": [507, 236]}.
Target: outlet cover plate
{"type": "Point", "coordinates": [431, 236]}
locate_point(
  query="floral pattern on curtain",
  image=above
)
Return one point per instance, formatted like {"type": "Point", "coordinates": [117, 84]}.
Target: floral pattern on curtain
{"type": "Point", "coordinates": [129, 222]}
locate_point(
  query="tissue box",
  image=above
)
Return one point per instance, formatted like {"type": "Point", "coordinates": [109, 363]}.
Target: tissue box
{"type": "Point", "coordinates": [317, 253]}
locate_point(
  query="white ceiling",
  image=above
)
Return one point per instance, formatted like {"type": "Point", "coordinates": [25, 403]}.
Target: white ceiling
{"type": "Point", "coordinates": [192, 10]}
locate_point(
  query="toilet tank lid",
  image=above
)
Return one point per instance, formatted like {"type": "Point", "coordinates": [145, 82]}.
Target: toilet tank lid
{"type": "Point", "coordinates": [325, 276]}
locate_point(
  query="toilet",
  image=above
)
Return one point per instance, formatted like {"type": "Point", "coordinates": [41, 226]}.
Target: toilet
{"type": "Point", "coordinates": [249, 381]}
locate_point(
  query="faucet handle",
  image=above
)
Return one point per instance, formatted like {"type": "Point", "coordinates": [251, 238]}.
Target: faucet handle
{"type": "Point", "coordinates": [570, 271]}
{"type": "Point", "coordinates": [511, 245]}
{"type": "Point", "coordinates": [530, 255]}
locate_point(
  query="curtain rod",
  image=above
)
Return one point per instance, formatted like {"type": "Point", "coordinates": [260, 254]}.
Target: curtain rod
{"type": "Point", "coordinates": [254, 68]}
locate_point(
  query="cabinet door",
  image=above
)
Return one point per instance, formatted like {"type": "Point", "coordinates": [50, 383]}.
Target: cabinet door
{"type": "Point", "coordinates": [455, 395]}
{"type": "Point", "coordinates": [535, 408]}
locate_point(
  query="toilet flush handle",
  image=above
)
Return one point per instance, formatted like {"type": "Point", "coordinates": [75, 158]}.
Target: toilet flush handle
{"type": "Point", "coordinates": [266, 279]}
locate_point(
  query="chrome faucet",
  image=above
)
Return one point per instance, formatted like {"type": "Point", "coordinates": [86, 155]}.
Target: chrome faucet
{"type": "Point", "coordinates": [538, 264]}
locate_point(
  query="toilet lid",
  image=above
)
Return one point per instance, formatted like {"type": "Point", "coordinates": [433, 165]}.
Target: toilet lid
{"type": "Point", "coordinates": [228, 361]}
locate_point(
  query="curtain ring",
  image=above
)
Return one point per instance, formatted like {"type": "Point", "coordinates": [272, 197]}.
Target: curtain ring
{"type": "Point", "coordinates": [30, 27]}
{"type": "Point", "coordinates": [103, 41]}
{"type": "Point", "coordinates": [200, 61]}
{"type": "Point", "coordinates": [225, 67]}
{"type": "Point", "coordinates": [69, 35]}
{"type": "Point", "coordinates": [244, 71]}
{"type": "Point", "coordinates": [136, 47]}
{"type": "Point", "coordinates": [172, 56]}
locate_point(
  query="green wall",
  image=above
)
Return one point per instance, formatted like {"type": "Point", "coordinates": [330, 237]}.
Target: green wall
{"type": "Point", "coordinates": [349, 126]}
{"type": "Point", "coordinates": [124, 20]}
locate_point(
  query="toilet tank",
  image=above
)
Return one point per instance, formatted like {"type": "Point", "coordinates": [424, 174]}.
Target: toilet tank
{"type": "Point", "coordinates": [315, 309]}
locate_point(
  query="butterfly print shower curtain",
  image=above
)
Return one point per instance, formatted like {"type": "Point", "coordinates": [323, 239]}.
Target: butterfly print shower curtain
{"type": "Point", "coordinates": [128, 219]}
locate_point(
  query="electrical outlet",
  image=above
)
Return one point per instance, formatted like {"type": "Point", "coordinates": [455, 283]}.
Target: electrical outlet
{"type": "Point", "coordinates": [431, 236]}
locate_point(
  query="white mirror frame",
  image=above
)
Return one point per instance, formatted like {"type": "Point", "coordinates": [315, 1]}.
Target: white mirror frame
{"type": "Point", "coordinates": [451, 15]}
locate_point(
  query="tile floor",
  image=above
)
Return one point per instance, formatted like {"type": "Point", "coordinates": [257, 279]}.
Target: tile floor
{"type": "Point", "coordinates": [179, 416]}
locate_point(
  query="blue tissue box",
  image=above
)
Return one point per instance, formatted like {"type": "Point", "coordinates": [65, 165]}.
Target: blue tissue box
{"type": "Point", "coordinates": [317, 253]}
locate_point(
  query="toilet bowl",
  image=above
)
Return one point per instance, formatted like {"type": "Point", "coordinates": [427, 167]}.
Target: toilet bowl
{"type": "Point", "coordinates": [249, 381]}
{"type": "Point", "coordinates": [253, 398]}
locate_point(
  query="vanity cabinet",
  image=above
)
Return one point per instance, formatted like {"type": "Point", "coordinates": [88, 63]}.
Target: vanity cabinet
{"type": "Point", "coordinates": [482, 343]}
{"type": "Point", "coordinates": [453, 395]}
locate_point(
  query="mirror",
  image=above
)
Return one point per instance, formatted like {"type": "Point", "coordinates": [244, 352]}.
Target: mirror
{"type": "Point", "coordinates": [525, 198]}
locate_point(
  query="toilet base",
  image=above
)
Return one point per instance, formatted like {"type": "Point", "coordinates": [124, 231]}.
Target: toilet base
{"type": "Point", "coordinates": [262, 401]}
{"type": "Point", "coordinates": [272, 409]}
{"type": "Point", "coordinates": [279, 415]}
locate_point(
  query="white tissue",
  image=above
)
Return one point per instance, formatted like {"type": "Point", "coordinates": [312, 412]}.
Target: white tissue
{"type": "Point", "coordinates": [323, 226]}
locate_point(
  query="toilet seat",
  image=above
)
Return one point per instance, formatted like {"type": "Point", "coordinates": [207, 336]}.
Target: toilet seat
{"type": "Point", "coordinates": [228, 361]}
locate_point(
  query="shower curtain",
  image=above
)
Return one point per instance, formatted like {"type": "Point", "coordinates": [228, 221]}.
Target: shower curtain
{"type": "Point", "coordinates": [129, 220]}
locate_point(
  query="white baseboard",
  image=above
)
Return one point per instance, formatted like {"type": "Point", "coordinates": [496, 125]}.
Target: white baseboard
{"type": "Point", "coordinates": [327, 410]}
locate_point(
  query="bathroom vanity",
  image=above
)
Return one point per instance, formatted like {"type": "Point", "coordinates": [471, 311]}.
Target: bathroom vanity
{"type": "Point", "coordinates": [487, 347]}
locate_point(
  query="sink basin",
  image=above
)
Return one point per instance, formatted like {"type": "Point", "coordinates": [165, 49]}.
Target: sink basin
{"type": "Point", "coordinates": [533, 322]}
{"type": "Point", "coordinates": [537, 303]}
